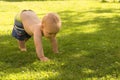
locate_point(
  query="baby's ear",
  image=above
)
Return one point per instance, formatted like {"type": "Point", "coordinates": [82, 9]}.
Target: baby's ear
{"type": "Point", "coordinates": [42, 26]}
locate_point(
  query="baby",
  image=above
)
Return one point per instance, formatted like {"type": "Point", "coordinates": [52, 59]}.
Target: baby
{"type": "Point", "coordinates": [27, 24]}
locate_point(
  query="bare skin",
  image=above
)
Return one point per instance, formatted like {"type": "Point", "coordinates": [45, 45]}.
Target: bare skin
{"type": "Point", "coordinates": [36, 28]}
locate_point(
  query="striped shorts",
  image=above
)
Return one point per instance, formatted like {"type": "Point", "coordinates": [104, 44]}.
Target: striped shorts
{"type": "Point", "coordinates": [18, 31]}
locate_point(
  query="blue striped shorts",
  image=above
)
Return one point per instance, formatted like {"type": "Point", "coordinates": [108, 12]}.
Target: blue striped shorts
{"type": "Point", "coordinates": [18, 31]}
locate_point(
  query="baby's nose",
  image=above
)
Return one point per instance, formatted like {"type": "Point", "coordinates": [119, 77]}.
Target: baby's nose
{"type": "Point", "coordinates": [52, 35]}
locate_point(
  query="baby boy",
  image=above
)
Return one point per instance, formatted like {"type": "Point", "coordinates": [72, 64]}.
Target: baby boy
{"type": "Point", "coordinates": [27, 24]}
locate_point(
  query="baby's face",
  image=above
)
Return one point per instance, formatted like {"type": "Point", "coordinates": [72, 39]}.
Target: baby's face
{"type": "Point", "coordinates": [50, 32]}
{"type": "Point", "coordinates": [50, 25]}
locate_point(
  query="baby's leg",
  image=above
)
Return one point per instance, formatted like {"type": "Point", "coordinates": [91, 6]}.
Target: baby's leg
{"type": "Point", "coordinates": [26, 39]}
{"type": "Point", "coordinates": [22, 46]}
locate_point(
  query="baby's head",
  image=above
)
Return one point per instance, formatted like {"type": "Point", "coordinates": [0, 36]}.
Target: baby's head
{"type": "Point", "coordinates": [51, 24]}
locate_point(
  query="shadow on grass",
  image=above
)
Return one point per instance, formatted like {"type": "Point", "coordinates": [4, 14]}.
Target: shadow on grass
{"type": "Point", "coordinates": [90, 55]}
{"type": "Point", "coordinates": [83, 55]}
{"type": "Point", "coordinates": [99, 10]}
{"type": "Point", "coordinates": [11, 58]}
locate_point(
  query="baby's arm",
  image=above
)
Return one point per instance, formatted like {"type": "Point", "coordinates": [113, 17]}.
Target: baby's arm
{"type": "Point", "coordinates": [54, 45]}
{"type": "Point", "coordinates": [38, 45]}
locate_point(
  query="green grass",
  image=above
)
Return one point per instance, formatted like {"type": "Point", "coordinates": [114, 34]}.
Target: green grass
{"type": "Point", "coordinates": [89, 42]}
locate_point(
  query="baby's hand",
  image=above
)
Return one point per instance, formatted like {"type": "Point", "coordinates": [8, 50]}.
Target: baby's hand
{"type": "Point", "coordinates": [44, 59]}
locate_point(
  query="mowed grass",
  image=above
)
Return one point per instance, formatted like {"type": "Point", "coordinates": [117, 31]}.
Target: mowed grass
{"type": "Point", "coordinates": [89, 42]}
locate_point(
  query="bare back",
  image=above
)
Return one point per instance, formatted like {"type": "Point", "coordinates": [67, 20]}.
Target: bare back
{"type": "Point", "coordinates": [30, 21]}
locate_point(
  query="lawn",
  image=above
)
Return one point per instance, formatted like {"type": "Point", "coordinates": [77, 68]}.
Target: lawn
{"type": "Point", "coordinates": [89, 42]}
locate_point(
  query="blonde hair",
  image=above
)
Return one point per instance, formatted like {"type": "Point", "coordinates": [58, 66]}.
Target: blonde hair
{"type": "Point", "coordinates": [51, 19]}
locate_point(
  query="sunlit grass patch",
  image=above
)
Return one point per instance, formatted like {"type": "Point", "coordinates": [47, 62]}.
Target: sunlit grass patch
{"type": "Point", "coordinates": [87, 71]}
{"type": "Point", "coordinates": [88, 42]}
{"type": "Point", "coordinates": [30, 75]}
{"type": "Point", "coordinates": [90, 28]}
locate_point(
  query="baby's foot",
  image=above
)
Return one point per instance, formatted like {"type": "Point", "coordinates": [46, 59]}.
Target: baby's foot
{"type": "Point", "coordinates": [22, 49]}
